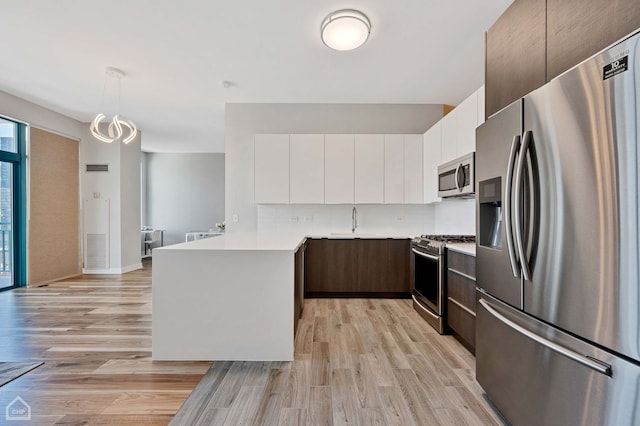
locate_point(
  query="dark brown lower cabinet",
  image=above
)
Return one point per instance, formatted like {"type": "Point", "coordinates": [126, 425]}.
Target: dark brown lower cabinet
{"type": "Point", "coordinates": [357, 267]}
{"type": "Point", "coordinates": [298, 282]}
{"type": "Point", "coordinates": [461, 297]}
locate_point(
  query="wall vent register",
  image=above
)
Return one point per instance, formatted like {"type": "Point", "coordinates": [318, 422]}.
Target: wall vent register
{"type": "Point", "coordinates": [97, 168]}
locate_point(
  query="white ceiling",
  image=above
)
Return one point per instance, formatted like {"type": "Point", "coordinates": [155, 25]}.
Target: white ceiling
{"type": "Point", "coordinates": [175, 54]}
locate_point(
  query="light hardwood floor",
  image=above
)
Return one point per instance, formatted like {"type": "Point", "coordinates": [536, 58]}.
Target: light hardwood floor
{"type": "Point", "coordinates": [357, 362]}
{"type": "Point", "coordinates": [94, 335]}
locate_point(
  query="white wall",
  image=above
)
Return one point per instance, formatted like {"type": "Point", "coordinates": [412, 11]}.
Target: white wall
{"type": "Point", "coordinates": [242, 121]}
{"type": "Point", "coordinates": [130, 161]}
{"type": "Point", "coordinates": [43, 118]}
{"type": "Point", "coordinates": [121, 186]}
{"type": "Point", "coordinates": [185, 192]}
{"type": "Point", "coordinates": [124, 227]}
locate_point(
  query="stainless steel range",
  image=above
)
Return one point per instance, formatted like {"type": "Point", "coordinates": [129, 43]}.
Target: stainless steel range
{"type": "Point", "coordinates": [429, 276]}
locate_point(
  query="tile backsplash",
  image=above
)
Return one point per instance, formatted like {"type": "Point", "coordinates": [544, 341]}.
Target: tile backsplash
{"type": "Point", "coordinates": [455, 216]}
{"type": "Point", "coordinates": [406, 219]}
{"type": "Point", "coordinates": [452, 216]}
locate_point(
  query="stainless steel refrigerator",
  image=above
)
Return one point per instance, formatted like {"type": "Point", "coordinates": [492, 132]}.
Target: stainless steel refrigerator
{"type": "Point", "coordinates": [558, 259]}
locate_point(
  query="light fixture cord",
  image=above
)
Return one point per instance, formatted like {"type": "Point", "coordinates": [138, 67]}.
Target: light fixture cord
{"type": "Point", "coordinates": [119, 95]}
{"type": "Point", "coordinates": [104, 92]}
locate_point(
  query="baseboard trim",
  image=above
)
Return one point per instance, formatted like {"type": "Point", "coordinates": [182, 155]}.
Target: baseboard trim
{"type": "Point", "coordinates": [355, 294]}
{"type": "Point", "coordinates": [51, 280]}
{"type": "Point", "coordinates": [112, 271]}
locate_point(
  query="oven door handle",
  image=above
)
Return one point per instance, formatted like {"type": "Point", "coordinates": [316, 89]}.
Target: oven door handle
{"type": "Point", "coordinates": [428, 256]}
{"type": "Point", "coordinates": [423, 308]}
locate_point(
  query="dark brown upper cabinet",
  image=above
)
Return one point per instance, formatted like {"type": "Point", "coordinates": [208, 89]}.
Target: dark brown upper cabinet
{"type": "Point", "coordinates": [534, 41]}
{"type": "Point", "coordinates": [515, 55]}
{"type": "Point", "coordinates": [578, 29]}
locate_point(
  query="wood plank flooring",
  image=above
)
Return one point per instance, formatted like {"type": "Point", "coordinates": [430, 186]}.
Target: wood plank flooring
{"type": "Point", "coordinates": [357, 362]}
{"type": "Point", "coordinates": [10, 371]}
{"type": "Point", "coordinates": [94, 335]}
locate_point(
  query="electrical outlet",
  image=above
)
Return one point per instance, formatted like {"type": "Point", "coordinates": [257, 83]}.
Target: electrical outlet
{"type": "Point", "coordinates": [308, 219]}
{"type": "Point", "coordinates": [96, 195]}
{"type": "Point", "coordinates": [293, 219]}
{"type": "Point", "coordinates": [234, 217]}
{"type": "Point", "coordinates": [399, 218]}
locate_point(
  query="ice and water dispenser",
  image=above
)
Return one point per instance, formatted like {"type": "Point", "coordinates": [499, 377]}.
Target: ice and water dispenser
{"type": "Point", "coordinates": [490, 212]}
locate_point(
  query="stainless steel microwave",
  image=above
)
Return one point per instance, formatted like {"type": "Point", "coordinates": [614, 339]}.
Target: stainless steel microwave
{"type": "Point", "coordinates": [457, 178]}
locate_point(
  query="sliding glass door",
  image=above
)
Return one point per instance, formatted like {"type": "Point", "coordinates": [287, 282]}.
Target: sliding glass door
{"type": "Point", "coordinates": [12, 204]}
{"type": "Point", "coordinates": [6, 225]}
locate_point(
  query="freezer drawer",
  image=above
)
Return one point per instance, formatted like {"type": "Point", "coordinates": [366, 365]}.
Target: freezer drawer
{"type": "Point", "coordinates": [538, 375]}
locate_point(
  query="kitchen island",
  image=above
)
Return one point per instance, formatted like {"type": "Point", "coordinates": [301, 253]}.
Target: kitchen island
{"type": "Point", "coordinates": [225, 298]}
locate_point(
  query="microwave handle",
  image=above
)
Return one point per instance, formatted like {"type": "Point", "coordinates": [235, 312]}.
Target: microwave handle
{"type": "Point", "coordinates": [458, 178]}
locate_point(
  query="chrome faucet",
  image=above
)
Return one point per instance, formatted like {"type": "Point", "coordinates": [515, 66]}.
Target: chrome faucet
{"type": "Point", "coordinates": [354, 219]}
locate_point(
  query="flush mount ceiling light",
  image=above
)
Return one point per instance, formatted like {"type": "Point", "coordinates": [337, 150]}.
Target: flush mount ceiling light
{"type": "Point", "coordinates": [345, 29]}
{"type": "Point", "coordinates": [118, 128]}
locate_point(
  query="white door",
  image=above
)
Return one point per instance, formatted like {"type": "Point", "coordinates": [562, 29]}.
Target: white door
{"type": "Point", "coordinates": [271, 169]}
{"type": "Point", "coordinates": [449, 126]}
{"type": "Point", "coordinates": [338, 169]}
{"type": "Point", "coordinates": [369, 169]}
{"type": "Point", "coordinates": [432, 158]}
{"type": "Point", "coordinates": [413, 169]}
{"type": "Point", "coordinates": [393, 169]}
{"type": "Point", "coordinates": [467, 118]}
{"type": "Point", "coordinates": [306, 181]}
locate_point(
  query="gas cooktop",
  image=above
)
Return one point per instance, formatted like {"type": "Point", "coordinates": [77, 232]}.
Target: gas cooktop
{"type": "Point", "coordinates": [437, 243]}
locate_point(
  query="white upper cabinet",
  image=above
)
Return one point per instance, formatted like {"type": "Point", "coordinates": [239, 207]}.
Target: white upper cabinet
{"type": "Point", "coordinates": [394, 169]}
{"type": "Point", "coordinates": [459, 127]}
{"type": "Point", "coordinates": [369, 169]}
{"type": "Point", "coordinates": [338, 169]}
{"type": "Point", "coordinates": [306, 181]}
{"type": "Point", "coordinates": [480, 93]}
{"type": "Point", "coordinates": [449, 129]}
{"type": "Point", "coordinates": [467, 116]}
{"type": "Point", "coordinates": [432, 159]}
{"type": "Point", "coordinates": [413, 169]}
{"type": "Point", "coordinates": [271, 156]}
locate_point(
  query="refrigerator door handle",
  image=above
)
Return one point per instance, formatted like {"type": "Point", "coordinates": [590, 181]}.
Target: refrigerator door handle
{"type": "Point", "coordinates": [513, 261]}
{"type": "Point", "coordinates": [524, 265]}
{"type": "Point", "coordinates": [594, 364]}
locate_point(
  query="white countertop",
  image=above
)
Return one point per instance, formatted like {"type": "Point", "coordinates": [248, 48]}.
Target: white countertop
{"type": "Point", "coordinates": [270, 241]}
{"type": "Point", "coordinates": [466, 248]}
{"type": "Point", "coordinates": [244, 241]}
{"type": "Point", "coordinates": [362, 235]}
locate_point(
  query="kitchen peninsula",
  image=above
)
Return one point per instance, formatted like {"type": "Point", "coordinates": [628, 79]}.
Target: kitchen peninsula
{"type": "Point", "coordinates": [225, 298]}
{"type": "Point", "coordinates": [232, 297]}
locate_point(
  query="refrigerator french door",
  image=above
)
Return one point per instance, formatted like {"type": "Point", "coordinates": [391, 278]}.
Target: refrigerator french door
{"type": "Point", "coordinates": [558, 259]}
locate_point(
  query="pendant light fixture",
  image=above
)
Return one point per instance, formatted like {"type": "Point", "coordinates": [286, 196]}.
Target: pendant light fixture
{"type": "Point", "coordinates": [345, 29]}
{"type": "Point", "coordinates": [117, 128]}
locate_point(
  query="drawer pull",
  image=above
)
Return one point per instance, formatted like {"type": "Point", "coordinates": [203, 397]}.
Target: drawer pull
{"type": "Point", "coordinates": [461, 306]}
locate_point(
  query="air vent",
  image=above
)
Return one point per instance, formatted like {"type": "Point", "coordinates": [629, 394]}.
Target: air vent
{"type": "Point", "coordinates": [96, 251]}
{"type": "Point", "coordinates": [97, 167]}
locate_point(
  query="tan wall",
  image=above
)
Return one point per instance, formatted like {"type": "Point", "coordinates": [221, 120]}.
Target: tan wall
{"type": "Point", "coordinates": [53, 250]}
